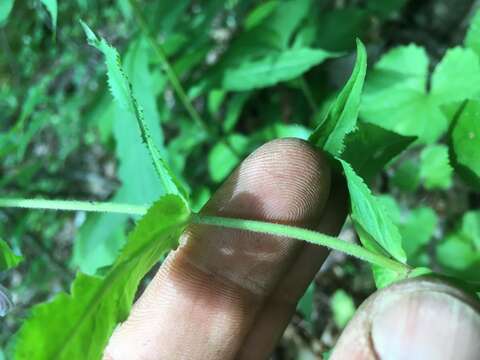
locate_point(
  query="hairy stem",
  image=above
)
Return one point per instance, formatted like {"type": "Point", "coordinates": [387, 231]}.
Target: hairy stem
{"type": "Point", "coordinates": [74, 205]}
{"type": "Point", "coordinates": [306, 235]}
{"type": "Point", "coordinates": [241, 224]}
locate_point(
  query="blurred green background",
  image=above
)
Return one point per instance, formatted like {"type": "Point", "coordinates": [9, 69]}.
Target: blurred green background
{"type": "Point", "coordinates": [249, 72]}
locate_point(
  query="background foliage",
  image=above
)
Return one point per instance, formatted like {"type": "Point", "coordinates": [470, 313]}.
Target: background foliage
{"type": "Point", "coordinates": [252, 71]}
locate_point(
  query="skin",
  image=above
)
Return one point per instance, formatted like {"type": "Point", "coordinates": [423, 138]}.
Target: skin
{"type": "Point", "coordinates": [227, 294]}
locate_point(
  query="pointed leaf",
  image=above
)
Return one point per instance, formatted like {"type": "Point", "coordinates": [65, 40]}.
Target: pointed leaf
{"type": "Point", "coordinates": [271, 69]}
{"type": "Point", "coordinates": [8, 259]}
{"type": "Point", "coordinates": [369, 148]}
{"type": "Point", "coordinates": [122, 93]}
{"type": "Point", "coordinates": [5, 9]}
{"type": "Point", "coordinates": [373, 223]}
{"type": "Point", "coordinates": [52, 8]}
{"type": "Point", "coordinates": [78, 325]}
{"type": "Point", "coordinates": [342, 116]}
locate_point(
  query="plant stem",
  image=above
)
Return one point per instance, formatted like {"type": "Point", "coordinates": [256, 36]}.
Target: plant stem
{"type": "Point", "coordinates": [173, 78]}
{"type": "Point", "coordinates": [171, 75]}
{"type": "Point", "coordinates": [306, 235]}
{"type": "Point", "coordinates": [308, 94]}
{"type": "Point", "coordinates": [74, 205]}
{"type": "Point", "coordinates": [241, 224]}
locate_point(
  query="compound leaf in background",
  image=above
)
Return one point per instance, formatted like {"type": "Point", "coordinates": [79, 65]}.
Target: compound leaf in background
{"type": "Point", "coordinates": [271, 69]}
{"type": "Point", "coordinates": [472, 39]}
{"type": "Point", "coordinates": [459, 253]}
{"type": "Point", "coordinates": [8, 259]}
{"type": "Point", "coordinates": [369, 148]}
{"type": "Point", "coordinates": [6, 7]}
{"type": "Point", "coordinates": [456, 77]}
{"type": "Point", "coordinates": [396, 96]}
{"type": "Point", "coordinates": [342, 116]}
{"type": "Point", "coordinates": [379, 232]}
{"type": "Point", "coordinates": [465, 143]}
{"type": "Point", "coordinates": [78, 325]}
{"type": "Point", "coordinates": [52, 8]}
{"type": "Point", "coordinates": [417, 230]}
{"type": "Point", "coordinates": [435, 169]}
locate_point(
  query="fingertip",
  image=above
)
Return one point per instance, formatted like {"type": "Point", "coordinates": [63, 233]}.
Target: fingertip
{"type": "Point", "coordinates": [285, 180]}
{"type": "Point", "coordinates": [422, 318]}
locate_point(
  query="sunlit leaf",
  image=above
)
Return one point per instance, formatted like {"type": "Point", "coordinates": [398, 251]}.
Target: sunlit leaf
{"type": "Point", "coordinates": [271, 69]}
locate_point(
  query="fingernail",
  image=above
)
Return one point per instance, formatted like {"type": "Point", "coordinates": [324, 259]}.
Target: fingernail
{"type": "Point", "coordinates": [425, 325]}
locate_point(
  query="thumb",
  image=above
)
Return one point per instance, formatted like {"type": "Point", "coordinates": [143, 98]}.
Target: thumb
{"type": "Point", "coordinates": [421, 318]}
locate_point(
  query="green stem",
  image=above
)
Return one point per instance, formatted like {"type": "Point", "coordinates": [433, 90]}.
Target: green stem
{"type": "Point", "coordinates": [173, 78]}
{"type": "Point", "coordinates": [171, 75]}
{"type": "Point", "coordinates": [74, 205]}
{"type": "Point", "coordinates": [308, 94]}
{"type": "Point", "coordinates": [306, 235]}
{"type": "Point", "coordinates": [241, 224]}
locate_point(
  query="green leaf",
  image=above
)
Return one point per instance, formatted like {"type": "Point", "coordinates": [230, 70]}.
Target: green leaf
{"type": "Point", "coordinates": [343, 308]}
{"type": "Point", "coordinates": [226, 155]}
{"type": "Point", "coordinates": [6, 7]}
{"type": "Point", "coordinates": [260, 13]}
{"type": "Point", "coordinates": [369, 148]}
{"type": "Point", "coordinates": [8, 259]}
{"type": "Point", "coordinates": [459, 253]}
{"type": "Point", "coordinates": [376, 229]}
{"type": "Point", "coordinates": [465, 143]}
{"type": "Point", "coordinates": [355, 23]}
{"type": "Point", "coordinates": [279, 130]}
{"type": "Point", "coordinates": [456, 77]}
{"type": "Point", "coordinates": [396, 96]}
{"type": "Point", "coordinates": [98, 241]}
{"type": "Point", "coordinates": [281, 18]}
{"type": "Point", "coordinates": [417, 230]}
{"type": "Point", "coordinates": [51, 6]}
{"type": "Point", "coordinates": [271, 69]}
{"type": "Point", "coordinates": [305, 305]}
{"type": "Point", "coordinates": [435, 169]}
{"type": "Point", "coordinates": [385, 8]}
{"type": "Point", "coordinates": [234, 110]}
{"type": "Point", "coordinates": [471, 227]}
{"type": "Point", "coordinates": [472, 40]}
{"type": "Point", "coordinates": [407, 176]}
{"type": "Point", "coordinates": [342, 116]}
{"type": "Point", "coordinates": [416, 227]}
{"type": "Point", "coordinates": [78, 325]}
{"type": "Point", "coordinates": [102, 235]}
{"type": "Point", "coordinates": [122, 93]}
